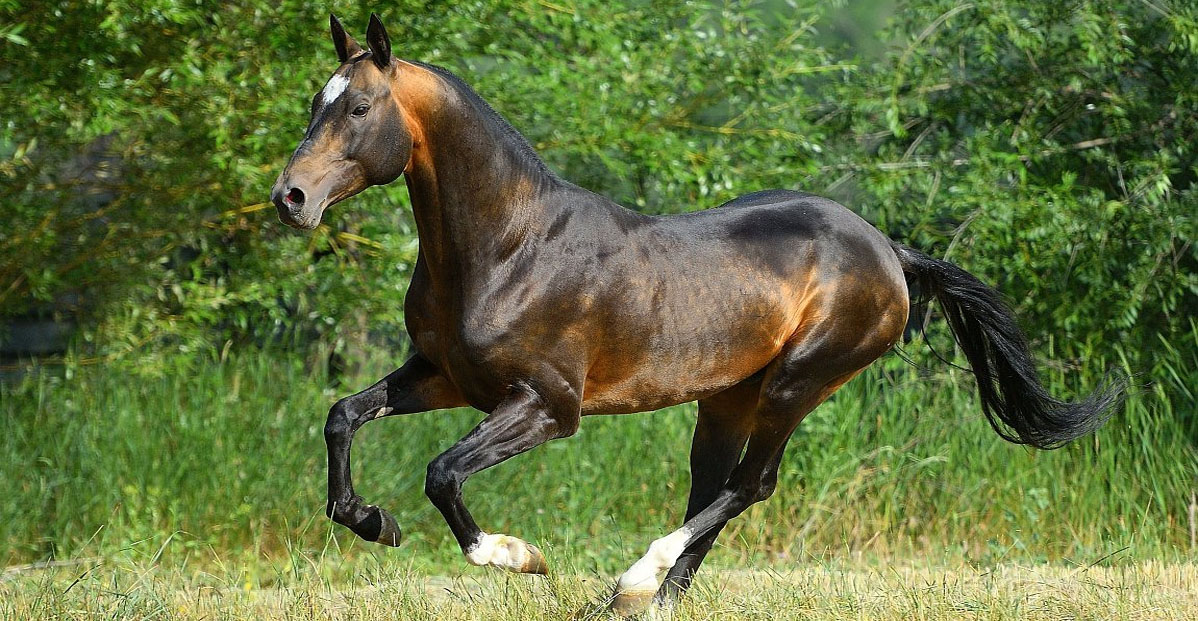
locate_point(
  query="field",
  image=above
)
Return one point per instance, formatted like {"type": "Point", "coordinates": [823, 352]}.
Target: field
{"type": "Point", "coordinates": [387, 591]}
{"type": "Point", "coordinates": [198, 492]}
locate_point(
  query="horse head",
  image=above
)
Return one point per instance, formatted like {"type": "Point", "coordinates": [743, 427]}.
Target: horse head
{"type": "Point", "coordinates": [357, 136]}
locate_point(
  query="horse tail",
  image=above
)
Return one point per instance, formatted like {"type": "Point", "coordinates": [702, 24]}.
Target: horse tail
{"type": "Point", "coordinates": [1016, 404]}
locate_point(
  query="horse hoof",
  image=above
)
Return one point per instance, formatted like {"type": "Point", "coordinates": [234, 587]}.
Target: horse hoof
{"type": "Point", "coordinates": [535, 562]}
{"type": "Point", "coordinates": [631, 603]}
{"type": "Point", "coordinates": [389, 533]}
{"type": "Point", "coordinates": [508, 553]}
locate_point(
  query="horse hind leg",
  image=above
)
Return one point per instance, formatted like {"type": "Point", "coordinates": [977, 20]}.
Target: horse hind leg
{"type": "Point", "coordinates": [809, 371]}
{"type": "Point", "coordinates": [637, 586]}
{"type": "Point", "coordinates": [721, 430]}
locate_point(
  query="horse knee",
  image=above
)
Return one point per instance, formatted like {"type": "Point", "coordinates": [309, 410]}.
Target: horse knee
{"type": "Point", "coordinates": [338, 425]}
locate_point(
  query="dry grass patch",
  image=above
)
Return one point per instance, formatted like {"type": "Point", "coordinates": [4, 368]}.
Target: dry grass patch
{"type": "Point", "coordinates": [1136, 591]}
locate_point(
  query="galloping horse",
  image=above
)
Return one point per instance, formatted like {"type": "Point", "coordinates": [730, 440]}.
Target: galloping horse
{"type": "Point", "coordinates": [539, 302]}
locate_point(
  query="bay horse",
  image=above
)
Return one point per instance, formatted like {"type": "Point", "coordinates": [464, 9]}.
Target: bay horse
{"type": "Point", "coordinates": [539, 302]}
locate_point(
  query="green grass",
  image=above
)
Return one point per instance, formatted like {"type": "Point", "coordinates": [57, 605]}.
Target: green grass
{"type": "Point", "coordinates": [127, 589]}
{"type": "Point", "coordinates": [223, 463]}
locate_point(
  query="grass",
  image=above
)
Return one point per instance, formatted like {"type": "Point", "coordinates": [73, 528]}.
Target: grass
{"type": "Point", "coordinates": [186, 485]}
{"type": "Point", "coordinates": [134, 590]}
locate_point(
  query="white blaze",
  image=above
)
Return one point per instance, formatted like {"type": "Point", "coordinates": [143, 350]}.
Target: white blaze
{"type": "Point", "coordinates": [334, 88]}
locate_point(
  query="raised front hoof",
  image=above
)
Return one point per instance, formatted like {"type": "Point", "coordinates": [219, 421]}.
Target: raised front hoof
{"type": "Point", "coordinates": [367, 521]}
{"type": "Point", "coordinates": [388, 532]}
{"type": "Point", "coordinates": [631, 603]}
{"type": "Point", "coordinates": [376, 525]}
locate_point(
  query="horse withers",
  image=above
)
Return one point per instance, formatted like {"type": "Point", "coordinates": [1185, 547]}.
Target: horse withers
{"type": "Point", "coordinates": [539, 302]}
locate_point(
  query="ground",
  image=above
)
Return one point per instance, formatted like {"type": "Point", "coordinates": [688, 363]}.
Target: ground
{"type": "Point", "coordinates": [92, 589]}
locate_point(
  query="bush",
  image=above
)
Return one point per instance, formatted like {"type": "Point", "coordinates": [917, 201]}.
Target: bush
{"type": "Point", "coordinates": [1045, 146]}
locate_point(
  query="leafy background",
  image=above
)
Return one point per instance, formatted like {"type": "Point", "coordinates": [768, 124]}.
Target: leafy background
{"type": "Point", "coordinates": [1046, 146]}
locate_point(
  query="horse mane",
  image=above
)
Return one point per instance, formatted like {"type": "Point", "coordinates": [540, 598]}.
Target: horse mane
{"type": "Point", "coordinates": [518, 139]}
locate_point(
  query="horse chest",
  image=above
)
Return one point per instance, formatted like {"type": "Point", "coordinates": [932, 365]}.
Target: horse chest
{"type": "Point", "coordinates": [477, 348]}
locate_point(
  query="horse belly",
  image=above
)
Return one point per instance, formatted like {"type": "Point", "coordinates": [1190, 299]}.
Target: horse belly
{"type": "Point", "coordinates": [681, 357]}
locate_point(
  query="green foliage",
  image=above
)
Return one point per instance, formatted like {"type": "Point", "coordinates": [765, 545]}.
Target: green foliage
{"type": "Point", "coordinates": [1046, 146]}
{"type": "Point", "coordinates": [188, 106]}
{"type": "Point", "coordinates": [227, 457]}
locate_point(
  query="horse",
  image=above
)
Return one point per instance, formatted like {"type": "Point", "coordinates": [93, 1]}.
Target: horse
{"type": "Point", "coordinates": [539, 302]}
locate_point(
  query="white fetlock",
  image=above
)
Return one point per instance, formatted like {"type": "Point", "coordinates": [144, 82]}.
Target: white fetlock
{"type": "Point", "coordinates": [637, 586]}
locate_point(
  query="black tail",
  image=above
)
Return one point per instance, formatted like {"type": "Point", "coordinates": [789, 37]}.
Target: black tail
{"type": "Point", "coordinates": [1018, 407]}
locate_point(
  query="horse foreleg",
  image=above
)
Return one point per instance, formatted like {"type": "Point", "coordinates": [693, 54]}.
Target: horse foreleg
{"type": "Point", "coordinates": [524, 420]}
{"type": "Point", "coordinates": [417, 386]}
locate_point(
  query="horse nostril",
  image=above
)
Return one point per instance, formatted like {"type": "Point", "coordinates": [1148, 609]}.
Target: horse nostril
{"type": "Point", "coordinates": [296, 196]}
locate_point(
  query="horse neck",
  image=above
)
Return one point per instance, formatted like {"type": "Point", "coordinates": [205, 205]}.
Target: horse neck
{"type": "Point", "coordinates": [476, 189]}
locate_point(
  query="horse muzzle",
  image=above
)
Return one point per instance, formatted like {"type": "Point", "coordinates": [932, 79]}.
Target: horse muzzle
{"type": "Point", "coordinates": [298, 208]}
{"type": "Point", "coordinates": [301, 204]}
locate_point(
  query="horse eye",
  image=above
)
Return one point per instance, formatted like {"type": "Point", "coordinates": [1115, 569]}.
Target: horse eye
{"type": "Point", "coordinates": [360, 110]}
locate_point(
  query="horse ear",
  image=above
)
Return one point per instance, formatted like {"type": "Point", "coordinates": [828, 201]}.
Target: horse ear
{"type": "Point", "coordinates": [345, 44]}
{"type": "Point", "coordinates": [379, 42]}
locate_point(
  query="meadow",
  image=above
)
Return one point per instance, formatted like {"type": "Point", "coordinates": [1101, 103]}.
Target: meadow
{"type": "Point", "coordinates": [208, 478]}
{"type": "Point", "coordinates": [902, 592]}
